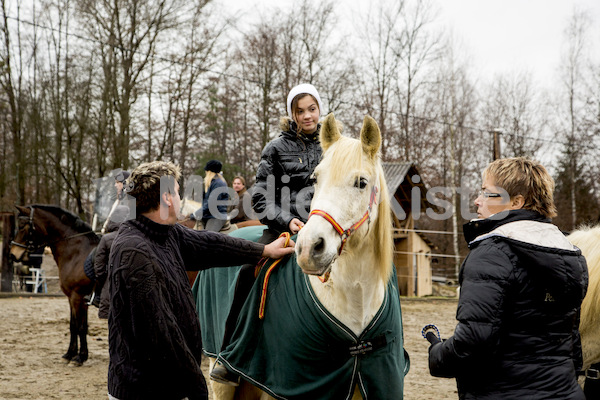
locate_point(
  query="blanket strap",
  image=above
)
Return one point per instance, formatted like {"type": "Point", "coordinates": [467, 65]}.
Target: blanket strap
{"type": "Point", "coordinates": [263, 297]}
{"type": "Point", "coordinates": [367, 346]}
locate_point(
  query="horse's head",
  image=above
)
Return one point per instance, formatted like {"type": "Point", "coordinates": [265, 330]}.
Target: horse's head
{"type": "Point", "coordinates": [350, 208]}
{"type": "Point", "coordinates": [30, 234]}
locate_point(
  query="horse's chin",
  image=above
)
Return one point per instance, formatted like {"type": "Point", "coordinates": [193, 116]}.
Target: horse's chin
{"type": "Point", "coordinates": [320, 269]}
{"type": "Point", "coordinates": [319, 272]}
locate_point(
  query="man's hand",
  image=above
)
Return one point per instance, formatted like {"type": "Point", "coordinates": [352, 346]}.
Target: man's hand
{"type": "Point", "coordinates": [277, 249]}
{"type": "Point", "coordinates": [295, 225]}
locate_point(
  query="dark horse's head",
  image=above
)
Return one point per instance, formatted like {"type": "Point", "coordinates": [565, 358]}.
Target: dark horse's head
{"type": "Point", "coordinates": [43, 225]}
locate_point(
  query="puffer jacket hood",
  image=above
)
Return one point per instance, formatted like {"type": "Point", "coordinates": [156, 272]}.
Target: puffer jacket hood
{"type": "Point", "coordinates": [537, 244]}
{"type": "Point", "coordinates": [289, 127]}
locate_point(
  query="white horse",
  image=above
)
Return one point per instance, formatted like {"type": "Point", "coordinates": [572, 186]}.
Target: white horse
{"type": "Point", "coordinates": [189, 206]}
{"type": "Point", "coordinates": [345, 249]}
{"type": "Point", "coordinates": [350, 192]}
{"type": "Point", "coordinates": [588, 240]}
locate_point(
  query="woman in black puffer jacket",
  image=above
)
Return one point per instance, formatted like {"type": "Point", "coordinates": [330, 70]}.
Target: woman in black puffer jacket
{"type": "Point", "coordinates": [283, 191]}
{"type": "Point", "coordinates": [522, 286]}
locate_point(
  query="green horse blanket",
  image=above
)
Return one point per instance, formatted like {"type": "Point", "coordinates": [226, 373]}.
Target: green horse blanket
{"type": "Point", "coordinates": [213, 290]}
{"type": "Point", "coordinates": [300, 351]}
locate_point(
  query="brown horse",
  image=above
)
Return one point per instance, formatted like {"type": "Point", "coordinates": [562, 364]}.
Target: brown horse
{"type": "Point", "coordinates": [71, 241]}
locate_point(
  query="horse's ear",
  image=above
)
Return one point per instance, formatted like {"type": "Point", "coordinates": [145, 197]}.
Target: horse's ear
{"type": "Point", "coordinates": [23, 210]}
{"type": "Point", "coordinates": [370, 136]}
{"type": "Point", "coordinates": [330, 132]}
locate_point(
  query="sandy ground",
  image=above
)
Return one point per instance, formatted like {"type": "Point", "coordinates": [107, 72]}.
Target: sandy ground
{"type": "Point", "coordinates": [34, 335]}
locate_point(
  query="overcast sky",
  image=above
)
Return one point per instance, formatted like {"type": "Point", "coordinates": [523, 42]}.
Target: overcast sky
{"type": "Point", "coordinates": [501, 35]}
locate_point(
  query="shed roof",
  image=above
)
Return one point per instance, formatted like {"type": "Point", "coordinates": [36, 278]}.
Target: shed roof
{"type": "Point", "coordinates": [401, 178]}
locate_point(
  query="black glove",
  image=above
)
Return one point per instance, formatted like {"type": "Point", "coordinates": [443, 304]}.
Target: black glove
{"type": "Point", "coordinates": [432, 334]}
{"type": "Point", "coordinates": [432, 338]}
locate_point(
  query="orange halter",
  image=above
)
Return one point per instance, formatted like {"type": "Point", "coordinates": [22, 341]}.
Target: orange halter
{"type": "Point", "coordinates": [345, 234]}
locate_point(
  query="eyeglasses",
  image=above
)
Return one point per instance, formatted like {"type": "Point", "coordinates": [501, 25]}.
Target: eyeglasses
{"type": "Point", "coordinates": [483, 193]}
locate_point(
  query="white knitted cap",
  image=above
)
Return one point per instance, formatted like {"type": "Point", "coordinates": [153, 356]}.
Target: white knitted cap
{"type": "Point", "coordinates": [303, 88]}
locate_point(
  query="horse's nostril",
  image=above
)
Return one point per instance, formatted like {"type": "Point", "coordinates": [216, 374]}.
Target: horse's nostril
{"type": "Point", "coordinates": [319, 246]}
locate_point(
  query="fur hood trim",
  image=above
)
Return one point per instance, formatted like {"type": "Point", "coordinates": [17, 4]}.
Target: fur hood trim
{"type": "Point", "coordinates": [284, 124]}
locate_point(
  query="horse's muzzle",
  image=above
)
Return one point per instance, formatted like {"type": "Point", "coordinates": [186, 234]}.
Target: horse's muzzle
{"type": "Point", "coordinates": [312, 254]}
{"type": "Point", "coordinates": [17, 254]}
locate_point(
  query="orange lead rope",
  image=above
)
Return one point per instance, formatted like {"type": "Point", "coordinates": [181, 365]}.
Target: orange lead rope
{"type": "Point", "coordinates": [263, 297]}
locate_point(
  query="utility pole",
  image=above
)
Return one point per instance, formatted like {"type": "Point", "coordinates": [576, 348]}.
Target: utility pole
{"type": "Point", "coordinates": [496, 154]}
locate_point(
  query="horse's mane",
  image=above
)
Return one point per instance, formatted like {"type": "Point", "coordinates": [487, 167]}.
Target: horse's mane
{"type": "Point", "coordinates": [66, 217]}
{"type": "Point", "coordinates": [348, 151]}
{"type": "Point", "coordinates": [587, 239]}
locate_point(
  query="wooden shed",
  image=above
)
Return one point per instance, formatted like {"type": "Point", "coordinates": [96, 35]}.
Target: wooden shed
{"type": "Point", "coordinates": [412, 254]}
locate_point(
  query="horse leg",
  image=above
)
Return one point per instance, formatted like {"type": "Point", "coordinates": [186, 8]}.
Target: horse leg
{"type": "Point", "coordinates": [81, 329]}
{"type": "Point", "coordinates": [247, 391]}
{"type": "Point", "coordinates": [357, 395]}
{"type": "Point", "coordinates": [73, 348]}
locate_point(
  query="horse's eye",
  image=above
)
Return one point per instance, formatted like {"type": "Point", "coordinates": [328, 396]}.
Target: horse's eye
{"type": "Point", "coordinates": [361, 183]}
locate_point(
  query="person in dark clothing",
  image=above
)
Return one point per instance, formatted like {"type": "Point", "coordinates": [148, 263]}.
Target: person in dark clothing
{"type": "Point", "coordinates": [120, 179]}
{"type": "Point", "coordinates": [154, 338]}
{"type": "Point", "coordinates": [283, 191]}
{"type": "Point", "coordinates": [522, 285]}
{"type": "Point", "coordinates": [101, 299]}
{"type": "Point", "coordinates": [214, 201]}
{"type": "Point", "coordinates": [34, 260]}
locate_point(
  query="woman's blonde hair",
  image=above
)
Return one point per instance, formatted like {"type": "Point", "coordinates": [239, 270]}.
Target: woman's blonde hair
{"type": "Point", "coordinates": [525, 177]}
{"type": "Point", "coordinates": [208, 178]}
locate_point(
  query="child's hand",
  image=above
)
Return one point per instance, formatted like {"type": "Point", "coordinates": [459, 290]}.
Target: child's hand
{"type": "Point", "coordinates": [295, 226]}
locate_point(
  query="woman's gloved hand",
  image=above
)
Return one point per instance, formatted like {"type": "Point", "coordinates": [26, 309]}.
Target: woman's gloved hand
{"type": "Point", "coordinates": [432, 334]}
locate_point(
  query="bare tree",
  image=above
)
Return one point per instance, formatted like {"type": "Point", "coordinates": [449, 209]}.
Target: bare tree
{"type": "Point", "coordinates": [263, 71]}
{"type": "Point", "coordinates": [11, 79]}
{"type": "Point", "coordinates": [417, 47]}
{"type": "Point", "coordinates": [457, 104]}
{"type": "Point", "coordinates": [185, 92]}
{"type": "Point", "coordinates": [128, 31]}
{"type": "Point", "coordinates": [512, 105]}
{"type": "Point", "coordinates": [573, 81]}
{"type": "Point", "coordinates": [379, 35]}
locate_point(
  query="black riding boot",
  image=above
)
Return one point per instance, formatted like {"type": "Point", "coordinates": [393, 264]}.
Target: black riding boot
{"type": "Point", "coordinates": [95, 300]}
{"type": "Point", "coordinates": [591, 388]}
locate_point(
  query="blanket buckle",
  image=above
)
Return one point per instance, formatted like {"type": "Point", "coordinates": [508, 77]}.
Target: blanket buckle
{"type": "Point", "coordinates": [361, 348]}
